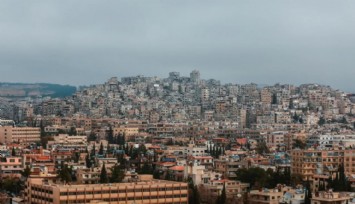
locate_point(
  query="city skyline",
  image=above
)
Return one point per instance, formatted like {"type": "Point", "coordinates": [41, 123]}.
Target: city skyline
{"type": "Point", "coordinates": [232, 41]}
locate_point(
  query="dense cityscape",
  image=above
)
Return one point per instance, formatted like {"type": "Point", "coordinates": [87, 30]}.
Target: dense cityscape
{"type": "Point", "coordinates": [179, 139]}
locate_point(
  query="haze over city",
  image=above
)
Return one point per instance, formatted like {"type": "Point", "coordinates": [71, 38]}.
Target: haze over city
{"type": "Point", "coordinates": [177, 102]}
{"type": "Point", "coordinates": [87, 42]}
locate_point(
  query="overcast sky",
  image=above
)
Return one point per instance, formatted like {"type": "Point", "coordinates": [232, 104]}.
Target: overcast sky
{"type": "Point", "coordinates": [240, 41]}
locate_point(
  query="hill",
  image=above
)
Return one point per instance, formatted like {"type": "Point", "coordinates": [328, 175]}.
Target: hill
{"type": "Point", "coordinates": [18, 90]}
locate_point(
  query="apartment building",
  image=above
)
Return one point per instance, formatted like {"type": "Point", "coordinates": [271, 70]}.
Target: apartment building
{"type": "Point", "coordinates": [11, 166]}
{"type": "Point", "coordinates": [329, 197]}
{"type": "Point", "coordinates": [152, 191]}
{"type": "Point", "coordinates": [10, 134]}
{"type": "Point", "coordinates": [310, 162]}
{"type": "Point", "coordinates": [281, 194]}
{"type": "Point", "coordinates": [211, 190]}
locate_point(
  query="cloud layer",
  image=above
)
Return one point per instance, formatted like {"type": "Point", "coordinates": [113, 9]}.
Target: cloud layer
{"type": "Point", "coordinates": [86, 42]}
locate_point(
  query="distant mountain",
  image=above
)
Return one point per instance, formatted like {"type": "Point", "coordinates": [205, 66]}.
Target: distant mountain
{"type": "Point", "coordinates": [19, 90]}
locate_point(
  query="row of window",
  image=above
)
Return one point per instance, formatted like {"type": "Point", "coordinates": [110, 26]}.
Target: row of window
{"type": "Point", "coordinates": [119, 191]}
{"type": "Point", "coordinates": [106, 200]}
{"type": "Point", "coordinates": [42, 198]}
{"type": "Point", "coordinates": [123, 191]}
{"type": "Point", "coordinates": [41, 190]}
{"type": "Point", "coordinates": [129, 198]}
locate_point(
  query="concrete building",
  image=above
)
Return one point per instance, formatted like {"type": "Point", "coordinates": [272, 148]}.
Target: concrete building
{"type": "Point", "coordinates": [152, 191]}
{"type": "Point", "coordinates": [329, 197]}
{"type": "Point", "coordinates": [11, 166]}
{"type": "Point", "coordinates": [311, 162]}
{"type": "Point", "coordinates": [234, 190]}
{"type": "Point", "coordinates": [280, 194]}
{"type": "Point", "coordinates": [10, 134]}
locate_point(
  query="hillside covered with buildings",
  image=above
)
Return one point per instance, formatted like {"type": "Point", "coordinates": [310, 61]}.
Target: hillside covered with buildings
{"type": "Point", "coordinates": [180, 139]}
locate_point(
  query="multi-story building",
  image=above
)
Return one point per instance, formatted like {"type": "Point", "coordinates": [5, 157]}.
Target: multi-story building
{"type": "Point", "coordinates": [73, 139]}
{"type": "Point", "coordinates": [228, 166]}
{"type": "Point", "coordinates": [310, 162]}
{"type": "Point", "coordinates": [88, 175]}
{"type": "Point", "coordinates": [329, 197]}
{"type": "Point", "coordinates": [26, 135]}
{"type": "Point", "coordinates": [234, 190]}
{"type": "Point", "coordinates": [150, 191]}
{"type": "Point", "coordinates": [281, 194]}
{"type": "Point", "coordinates": [11, 166]}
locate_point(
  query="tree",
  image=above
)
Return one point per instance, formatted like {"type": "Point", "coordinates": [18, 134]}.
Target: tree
{"type": "Point", "coordinates": [262, 148]}
{"type": "Point", "coordinates": [297, 143]}
{"type": "Point", "coordinates": [103, 174]}
{"type": "Point", "coordinates": [92, 137]}
{"type": "Point", "coordinates": [108, 149]}
{"type": "Point", "coordinates": [308, 193]}
{"type": "Point", "coordinates": [76, 157]}
{"type": "Point", "coordinates": [223, 196]}
{"type": "Point", "coordinates": [256, 176]}
{"type": "Point", "coordinates": [194, 197]}
{"type": "Point", "coordinates": [13, 153]}
{"type": "Point", "coordinates": [343, 120]}
{"type": "Point", "coordinates": [101, 150]}
{"type": "Point", "coordinates": [340, 183]}
{"type": "Point", "coordinates": [72, 131]}
{"type": "Point", "coordinates": [88, 161]}
{"type": "Point", "coordinates": [110, 138]}
{"type": "Point", "coordinates": [146, 169]}
{"type": "Point", "coordinates": [321, 121]}
{"type": "Point", "coordinates": [11, 184]}
{"type": "Point", "coordinates": [26, 172]}
{"type": "Point", "coordinates": [117, 174]}
{"type": "Point", "coordinates": [65, 173]}
{"type": "Point", "coordinates": [296, 179]}
{"type": "Point", "coordinates": [93, 151]}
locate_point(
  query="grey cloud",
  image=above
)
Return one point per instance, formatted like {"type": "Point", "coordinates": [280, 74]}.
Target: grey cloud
{"type": "Point", "coordinates": [84, 42]}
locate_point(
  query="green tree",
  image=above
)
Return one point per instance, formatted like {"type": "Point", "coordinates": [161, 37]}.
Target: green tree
{"type": "Point", "coordinates": [110, 137]}
{"type": "Point", "coordinates": [76, 157]}
{"type": "Point", "coordinates": [194, 196]}
{"type": "Point", "coordinates": [296, 179]}
{"type": "Point", "coordinates": [12, 184]}
{"type": "Point", "coordinates": [103, 175]}
{"type": "Point", "coordinates": [262, 148]}
{"type": "Point", "coordinates": [88, 161]}
{"type": "Point", "coordinates": [101, 150]}
{"type": "Point", "coordinates": [26, 172]}
{"type": "Point", "coordinates": [308, 193]}
{"type": "Point", "coordinates": [13, 153]}
{"type": "Point", "coordinates": [321, 121]}
{"type": "Point", "coordinates": [92, 137]}
{"type": "Point", "coordinates": [223, 196]}
{"type": "Point", "coordinates": [274, 99]}
{"type": "Point", "coordinates": [297, 143]}
{"type": "Point", "coordinates": [93, 151]}
{"type": "Point", "coordinates": [146, 169]}
{"type": "Point", "coordinates": [65, 173]}
{"type": "Point", "coordinates": [72, 131]}
{"type": "Point", "coordinates": [256, 176]}
{"type": "Point", "coordinates": [343, 120]}
{"type": "Point", "coordinates": [117, 174]}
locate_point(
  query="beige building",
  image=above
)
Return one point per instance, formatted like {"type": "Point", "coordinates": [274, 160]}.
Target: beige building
{"type": "Point", "coordinates": [152, 191]}
{"type": "Point", "coordinates": [128, 131]}
{"type": "Point", "coordinates": [328, 197]}
{"type": "Point", "coordinates": [210, 191]}
{"type": "Point", "coordinates": [11, 166]}
{"type": "Point", "coordinates": [10, 134]}
{"type": "Point", "coordinates": [66, 139]}
{"type": "Point", "coordinates": [324, 162]}
{"type": "Point", "coordinates": [280, 194]}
